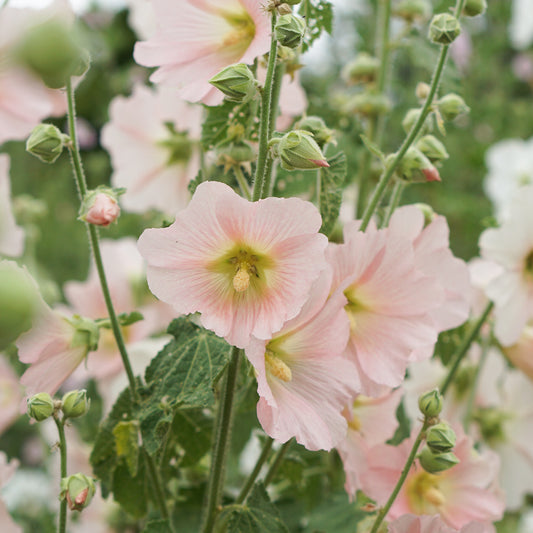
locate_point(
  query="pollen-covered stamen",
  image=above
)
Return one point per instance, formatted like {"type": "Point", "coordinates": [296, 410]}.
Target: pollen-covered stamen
{"type": "Point", "coordinates": [424, 493]}
{"type": "Point", "coordinates": [276, 367]}
{"type": "Point", "coordinates": [434, 496]}
{"type": "Point", "coordinates": [241, 280]}
{"type": "Point", "coordinates": [355, 423]}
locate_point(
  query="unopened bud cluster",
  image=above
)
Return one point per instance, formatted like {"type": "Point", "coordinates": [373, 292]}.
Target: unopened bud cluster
{"type": "Point", "coordinates": [73, 405]}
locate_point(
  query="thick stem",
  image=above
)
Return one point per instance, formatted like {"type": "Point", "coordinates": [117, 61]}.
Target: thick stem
{"type": "Point", "coordinates": [264, 125]}
{"type": "Point", "coordinates": [410, 460]}
{"type": "Point", "coordinates": [255, 472]}
{"type": "Point", "coordinates": [62, 526]}
{"type": "Point", "coordinates": [415, 130]}
{"type": "Point", "coordinates": [156, 482]}
{"type": "Point", "coordinates": [81, 185]}
{"type": "Point", "coordinates": [221, 443]}
{"type": "Point", "coordinates": [465, 345]}
{"type": "Point", "coordinates": [277, 462]}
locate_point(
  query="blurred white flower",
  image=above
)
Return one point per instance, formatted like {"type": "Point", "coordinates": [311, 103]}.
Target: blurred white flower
{"type": "Point", "coordinates": [521, 27]}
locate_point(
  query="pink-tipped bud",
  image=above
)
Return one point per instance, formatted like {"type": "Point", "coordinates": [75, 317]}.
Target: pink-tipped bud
{"type": "Point", "coordinates": [320, 162]}
{"type": "Point", "coordinates": [431, 173]}
{"type": "Point", "coordinates": [100, 206]}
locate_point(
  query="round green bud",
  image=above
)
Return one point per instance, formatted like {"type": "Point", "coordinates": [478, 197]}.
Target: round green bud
{"type": "Point", "coordinates": [40, 406]}
{"type": "Point", "coordinates": [411, 118]}
{"type": "Point", "coordinates": [290, 30]}
{"type": "Point", "coordinates": [18, 302]}
{"type": "Point", "coordinates": [75, 403]}
{"type": "Point", "coordinates": [317, 127]}
{"type": "Point", "coordinates": [440, 438]}
{"type": "Point", "coordinates": [78, 490]}
{"type": "Point", "coordinates": [298, 150]}
{"type": "Point", "coordinates": [472, 8]}
{"type": "Point", "coordinates": [237, 82]}
{"type": "Point", "coordinates": [52, 51]}
{"type": "Point", "coordinates": [362, 69]}
{"type": "Point", "coordinates": [451, 106]}
{"type": "Point", "coordinates": [444, 29]}
{"type": "Point", "coordinates": [368, 104]}
{"type": "Point", "coordinates": [413, 10]}
{"type": "Point", "coordinates": [432, 148]}
{"type": "Point", "coordinates": [430, 403]}
{"type": "Point", "coordinates": [46, 142]}
{"type": "Point", "coordinates": [235, 153]}
{"type": "Point", "coordinates": [436, 462]}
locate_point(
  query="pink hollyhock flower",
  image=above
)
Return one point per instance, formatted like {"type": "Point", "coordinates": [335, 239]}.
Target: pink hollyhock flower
{"type": "Point", "coordinates": [125, 275]}
{"type": "Point", "coordinates": [11, 235]}
{"type": "Point", "coordinates": [433, 524]}
{"type": "Point", "coordinates": [246, 267]}
{"type": "Point", "coordinates": [54, 346]}
{"type": "Point", "coordinates": [371, 421]}
{"type": "Point", "coordinates": [10, 394]}
{"type": "Point", "coordinates": [103, 211]}
{"type": "Point", "coordinates": [390, 303]}
{"type": "Point", "coordinates": [466, 492]}
{"type": "Point", "coordinates": [152, 137]}
{"type": "Point", "coordinates": [7, 469]}
{"type": "Point", "coordinates": [196, 40]}
{"type": "Point", "coordinates": [511, 246]}
{"type": "Point", "coordinates": [303, 380]}
{"type": "Point", "coordinates": [24, 100]}
{"type": "Point", "coordinates": [521, 352]}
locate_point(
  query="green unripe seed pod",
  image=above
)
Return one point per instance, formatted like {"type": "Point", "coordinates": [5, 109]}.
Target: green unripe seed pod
{"type": "Point", "coordinates": [436, 462]}
{"type": "Point", "coordinates": [440, 438]}
{"type": "Point", "coordinates": [444, 29]}
{"type": "Point", "coordinates": [290, 30]}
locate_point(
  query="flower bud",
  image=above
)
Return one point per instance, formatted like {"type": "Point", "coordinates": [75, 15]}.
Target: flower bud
{"type": "Point", "coordinates": [413, 10]}
{"type": "Point", "coordinates": [368, 104]}
{"type": "Point", "coordinates": [432, 148]}
{"type": "Point", "coordinates": [362, 69]}
{"type": "Point", "coordinates": [78, 490]}
{"type": "Point", "coordinates": [100, 206]}
{"type": "Point", "coordinates": [430, 403]}
{"type": "Point", "coordinates": [436, 462]}
{"type": "Point", "coordinates": [237, 82]}
{"type": "Point", "coordinates": [52, 51]}
{"type": "Point", "coordinates": [46, 142]}
{"type": "Point", "coordinates": [440, 438]}
{"type": "Point", "coordinates": [40, 406]}
{"type": "Point", "coordinates": [473, 8]}
{"type": "Point", "coordinates": [422, 90]}
{"type": "Point", "coordinates": [444, 29]}
{"type": "Point", "coordinates": [75, 403]}
{"type": "Point", "coordinates": [411, 118]}
{"type": "Point", "coordinates": [235, 153]}
{"type": "Point", "coordinates": [415, 167]}
{"type": "Point", "coordinates": [451, 106]}
{"type": "Point", "coordinates": [290, 30]}
{"type": "Point", "coordinates": [87, 333]}
{"type": "Point", "coordinates": [299, 151]}
{"type": "Point", "coordinates": [317, 127]}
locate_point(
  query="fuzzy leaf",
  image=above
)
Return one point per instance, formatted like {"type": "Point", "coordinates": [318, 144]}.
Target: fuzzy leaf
{"type": "Point", "coordinates": [180, 376]}
{"type": "Point", "coordinates": [319, 17]}
{"type": "Point", "coordinates": [259, 515]}
{"type": "Point", "coordinates": [331, 181]}
{"type": "Point", "coordinates": [127, 444]}
{"type": "Point", "coordinates": [131, 492]}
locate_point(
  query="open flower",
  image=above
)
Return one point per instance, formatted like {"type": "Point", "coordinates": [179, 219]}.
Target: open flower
{"type": "Point", "coordinates": [11, 235]}
{"type": "Point", "coordinates": [390, 302]}
{"type": "Point", "coordinates": [196, 40]}
{"type": "Point", "coordinates": [246, 267]}
{"type": "Point", "coordinates": [10, 394]}
{"type": "Point", "coordinates": [410, 523]}
{"type": "Point", "coordinates": [511, 247]}
{"type": "Point", "coordinates": [303, 379]}
{"type": "Point", "coordinates": [466, 492]}
{"type": "Point", "coordinates": [152, 138]}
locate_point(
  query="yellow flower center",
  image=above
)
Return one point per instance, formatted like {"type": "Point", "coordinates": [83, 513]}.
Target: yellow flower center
{"type": "Point", "coordinates": [355, 423]}
{"type": "Point", "coordinates": [275, 366]}
{"type": "Point", "coordinates": [424, 493]}
{"type": "Point", "coordinates": [528, 265]}
{"type": "Point", "coordinates": [241, 34]}
{"type": "Point", "coordinates": [354, 306]}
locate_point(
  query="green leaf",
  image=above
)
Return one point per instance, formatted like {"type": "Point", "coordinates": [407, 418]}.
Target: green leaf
{"type": "Point", "coordinates": [331, 181]}
{"type": "Point", "coordinates": [336, 514]}
{"type": "Point", "coordinates": [259, 515]}
{"type": "Point", "coordinates": [191, 186]}
{"type": "Point", "coordinates": [127, 444]}
{"type": "Point", "coordinates": [180, 376]}
{"type": "Point", "coordinates": [127, 319]}
{"type": "Point", "coordinates": [319, 17]}
{"type": "Point", "coordinates": [158, 526]}
{"type": "Point", "coordinates": [192, 429]}
{"type": "Point", "coordinates": [373, 148]}
{"type": "Point", "coordinates": [131, 491]}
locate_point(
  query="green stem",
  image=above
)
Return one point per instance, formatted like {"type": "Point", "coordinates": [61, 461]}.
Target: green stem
{"type": "Point", "coordinates": [255, 472]}
{"type": "Point", "coordinates": [394, 202]}
{"type": "Point", "coordinates": [277, 462]}
{"type": "Point", "coordinates": [81, 185]}
{"type": "Point", "coordinates": [408, 141]}
{"type": "Point", "coordinates": [463, 349]}
{"type": "Point", "coordinates": [221, 444]}
{"type": "Point", "coordinates": [242, 181]}
{"type": "Point", "coordinates": [158, 490]}
{"type": "Point", "coordinates": [264, 125]}
{"type": "Point", "coordinates": [63, 451]}
{"type": "Point", "coordinates": [410, 460]}
{"type": "Point", "coordinates": [473, 389]}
